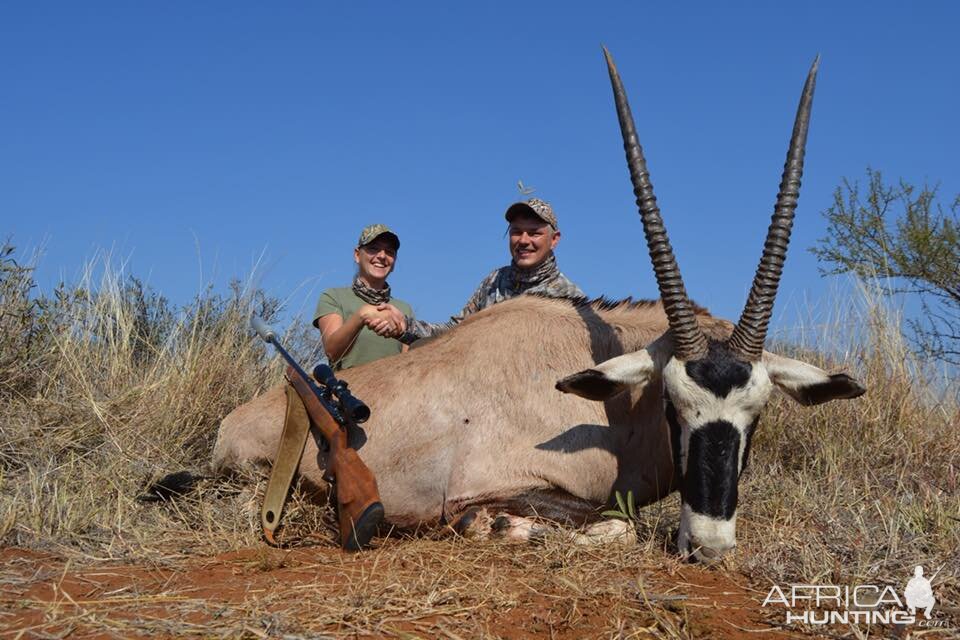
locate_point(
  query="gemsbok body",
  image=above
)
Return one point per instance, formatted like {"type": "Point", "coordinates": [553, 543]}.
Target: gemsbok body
{"type": "Point", "coordinates": [475, 421]}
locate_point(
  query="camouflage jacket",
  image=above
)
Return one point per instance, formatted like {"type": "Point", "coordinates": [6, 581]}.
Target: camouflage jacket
{"type": "Point", "coordinates": [502, 284]}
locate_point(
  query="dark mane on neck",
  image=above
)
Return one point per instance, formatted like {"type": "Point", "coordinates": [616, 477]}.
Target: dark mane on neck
{"type": "Point", "coordinates": [606, 304]}
{"type": "Point", "coordinates": [602, 303]}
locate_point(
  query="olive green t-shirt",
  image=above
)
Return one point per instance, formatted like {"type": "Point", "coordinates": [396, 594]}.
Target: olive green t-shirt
{"type": "Point", "coordinates": [368, 346]}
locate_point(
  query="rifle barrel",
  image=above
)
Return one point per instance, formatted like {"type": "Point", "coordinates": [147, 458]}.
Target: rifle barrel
{"type": "Point", "coordinates": [266, 331]}
{"type": "Point", "coordinates": [355, 409]}
{"type": "Point", "coordinates": [269, 335]}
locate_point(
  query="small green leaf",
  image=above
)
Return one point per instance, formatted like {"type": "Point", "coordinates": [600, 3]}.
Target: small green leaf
{"type": "Point", "coordinates": [614, 514]}
{"type": "Point", "coordinates": [620, 502]}
{"type": "Point", "coordinates": [631, 505]}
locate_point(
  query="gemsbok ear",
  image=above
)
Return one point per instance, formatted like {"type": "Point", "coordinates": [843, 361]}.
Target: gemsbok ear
{"type": "Point", "coordinates": [807, 384]}
{"type": "Point", "coordinates": [610, 377]}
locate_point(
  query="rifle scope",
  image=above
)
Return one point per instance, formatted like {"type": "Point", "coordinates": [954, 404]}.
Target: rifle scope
{"type": "Point", "coordinates": [354, 410]}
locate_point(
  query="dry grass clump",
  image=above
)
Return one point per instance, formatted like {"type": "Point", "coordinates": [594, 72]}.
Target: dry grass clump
{"type": "Point", "coordinates": [856, 492]}
{"type": "Point", "coordinates": [105, 385]}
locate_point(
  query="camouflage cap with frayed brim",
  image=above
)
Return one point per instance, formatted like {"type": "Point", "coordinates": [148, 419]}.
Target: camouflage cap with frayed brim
{"type": "Point", "coordinates": [374, 231]}
{"type": "Point", "coordinates": [535, 207]}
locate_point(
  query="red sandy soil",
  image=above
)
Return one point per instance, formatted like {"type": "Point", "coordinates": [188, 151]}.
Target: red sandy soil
{"type": "Point", "coordinates": [322, 592]}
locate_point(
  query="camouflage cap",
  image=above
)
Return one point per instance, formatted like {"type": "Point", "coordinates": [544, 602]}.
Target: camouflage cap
{"type": "Point", "coordinates": [374, 231]}
{"type": "Point", "coordinates": [535, 207]}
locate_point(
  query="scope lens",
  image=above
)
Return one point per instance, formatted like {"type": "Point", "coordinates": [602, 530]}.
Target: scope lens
{"type": "Point", "coordinates": [357, 410]}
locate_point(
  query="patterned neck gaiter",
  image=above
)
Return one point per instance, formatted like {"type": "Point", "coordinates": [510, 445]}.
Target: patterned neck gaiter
{"type": "Point", "coordinates": [370, 295]}
{"type": "Point", "coordinates": [524, 279]}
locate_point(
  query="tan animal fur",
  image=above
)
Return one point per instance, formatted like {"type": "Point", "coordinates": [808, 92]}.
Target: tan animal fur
{"type": "Point", "coordinates": [472, 417]}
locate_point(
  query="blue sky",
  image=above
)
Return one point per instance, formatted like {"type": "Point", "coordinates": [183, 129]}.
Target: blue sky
{"type": "Point", "coordinates": [190, 139]}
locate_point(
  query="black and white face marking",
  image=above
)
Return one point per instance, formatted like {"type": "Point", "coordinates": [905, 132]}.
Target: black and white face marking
{"type": "Point", "coordinates": [712, 407]}
{"type": "Point", "coordinates": [714, 403]}
{"type": "Point", "coordinates": [713, 469]}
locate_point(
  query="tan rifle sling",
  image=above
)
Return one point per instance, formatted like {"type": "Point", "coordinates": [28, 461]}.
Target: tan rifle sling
{"type": "Point", "coordinates": [296, 426]}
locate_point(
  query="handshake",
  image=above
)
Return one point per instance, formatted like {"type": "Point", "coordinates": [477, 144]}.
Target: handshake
{"type": "Point", "coordinates": [384, 319]}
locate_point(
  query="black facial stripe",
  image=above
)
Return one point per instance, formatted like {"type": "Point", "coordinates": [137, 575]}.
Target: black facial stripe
{"type": "Point", "coordinates": [710, 484]}
{"type": "Point", "coordinates": [719, 371]}
{"type": "Point", "coordinates": [840, 386]}
{"type": "Point", "coordinates": [675, 444]}
{"type": "Point", "coordinates": [746, 447]}
{"type": "Point", "coordinates": [590, 384]}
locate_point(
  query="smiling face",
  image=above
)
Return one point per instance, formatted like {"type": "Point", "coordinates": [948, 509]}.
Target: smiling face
{"type": "Point", "coordinates": [375, 261]}
{"type": "Point", "coordinates": [531, 240]}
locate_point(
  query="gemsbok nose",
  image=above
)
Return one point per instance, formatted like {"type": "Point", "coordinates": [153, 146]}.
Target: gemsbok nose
{"type": "Point", "coordinates": [710, 554]}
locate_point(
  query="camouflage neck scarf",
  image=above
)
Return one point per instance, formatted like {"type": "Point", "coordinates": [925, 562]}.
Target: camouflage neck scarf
{"type": "Point", "coordinates": [370, 295]}
{"type": "Point", "coordinates": [524, 279]}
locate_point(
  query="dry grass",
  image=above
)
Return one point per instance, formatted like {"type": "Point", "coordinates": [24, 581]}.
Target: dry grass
{"type": "Point", "coordinates": [863, 489]}
{"type": "Point", "coordinates": [105, 386]}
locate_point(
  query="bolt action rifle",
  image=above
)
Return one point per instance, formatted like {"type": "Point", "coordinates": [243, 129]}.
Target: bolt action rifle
{"type": "Point", "coordinates": [327, 404]}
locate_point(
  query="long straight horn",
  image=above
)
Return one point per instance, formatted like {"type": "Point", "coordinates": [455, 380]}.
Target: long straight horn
{"type": "Point", "coordinates": [689, 341]}
{"type": "Point", "coordinates": [751, 331]}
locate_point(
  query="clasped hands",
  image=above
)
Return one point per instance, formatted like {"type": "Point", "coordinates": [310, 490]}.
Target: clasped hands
{"type": "Point", "coordinates": [384, 320]}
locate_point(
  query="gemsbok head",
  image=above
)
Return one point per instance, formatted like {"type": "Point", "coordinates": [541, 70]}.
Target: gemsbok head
{"type": "Point", "coordinates": [713, 390]}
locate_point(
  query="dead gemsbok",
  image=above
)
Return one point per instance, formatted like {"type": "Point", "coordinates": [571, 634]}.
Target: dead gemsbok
{"type": "Point", "coordinates": [471, 425]}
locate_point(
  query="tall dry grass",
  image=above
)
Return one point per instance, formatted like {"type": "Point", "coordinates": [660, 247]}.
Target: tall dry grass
{"type": "Point", "coordinates": [856, 491]}
{"type": "Point", "coordinates": [105, 385]}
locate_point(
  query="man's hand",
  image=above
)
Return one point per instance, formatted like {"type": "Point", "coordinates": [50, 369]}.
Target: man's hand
{"type": "Point", "coordinates": [384, 320]}
{"type": "Point", "coordinates": [381, 325]}
{"type": "Point", "coordinates": [395, 315]}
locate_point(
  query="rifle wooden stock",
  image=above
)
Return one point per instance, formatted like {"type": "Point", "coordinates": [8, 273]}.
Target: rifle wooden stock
{"type": "Point", "coordinates": [358, 499]}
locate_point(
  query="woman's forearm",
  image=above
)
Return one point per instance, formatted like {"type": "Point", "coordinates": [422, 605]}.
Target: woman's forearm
{"type": "Point", "coordinates": [338, 340]}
